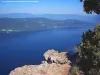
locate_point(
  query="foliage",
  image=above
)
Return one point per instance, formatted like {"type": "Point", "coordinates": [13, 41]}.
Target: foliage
{"type": "Point", "coordinates": [91, 6]}
{"type": "Point", "coordinates": [88, 53]}
{"type": "Point", "coordinates": [74, 70]}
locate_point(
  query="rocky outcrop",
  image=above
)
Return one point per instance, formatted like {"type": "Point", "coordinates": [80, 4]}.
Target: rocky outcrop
{"type": "Point", "coordinates": [56, 57]}
{"type": "Point", "coordinates": [55, 64]}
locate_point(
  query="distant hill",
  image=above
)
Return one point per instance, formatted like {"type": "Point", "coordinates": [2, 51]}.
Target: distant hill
{"type": "Point", "coordinates": [87, 18]}
{"type": "Point", "coordinates": [31, 24]}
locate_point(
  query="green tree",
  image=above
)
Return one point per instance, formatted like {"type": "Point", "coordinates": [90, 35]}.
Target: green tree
{"type": "Point", "coordinates": [91, 6]}
{"type": "Point", "coordinates": [88, 52]}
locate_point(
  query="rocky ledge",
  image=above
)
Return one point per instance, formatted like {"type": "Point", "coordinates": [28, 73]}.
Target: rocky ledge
{"type": "Point", "coordinates": [55, 64]}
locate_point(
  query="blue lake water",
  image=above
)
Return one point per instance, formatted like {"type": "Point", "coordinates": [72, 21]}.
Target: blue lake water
{"type": "Point", "coordinates": [25, 48]}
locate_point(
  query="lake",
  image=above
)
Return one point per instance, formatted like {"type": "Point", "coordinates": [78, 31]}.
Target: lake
{"type": "Point", "coordinates": [27, 48]}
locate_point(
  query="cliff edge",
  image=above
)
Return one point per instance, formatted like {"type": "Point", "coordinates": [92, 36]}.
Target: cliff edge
{"type": "Point", "coordinates": [56, 63]}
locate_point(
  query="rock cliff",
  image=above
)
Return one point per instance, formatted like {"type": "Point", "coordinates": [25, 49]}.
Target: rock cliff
{"type": "Point", "coordinates": [55, 64]}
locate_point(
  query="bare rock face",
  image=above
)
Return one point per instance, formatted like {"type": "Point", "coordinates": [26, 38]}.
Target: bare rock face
{"type": "Point", "coordinates": [56, 64]}
{"type": "Point", "coordinates": [55, 56]}
{"type": "Point", "coordinates": [43, 69]}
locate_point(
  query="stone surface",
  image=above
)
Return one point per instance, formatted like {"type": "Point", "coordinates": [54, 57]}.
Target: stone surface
{"type": "Point", "coordinates": [55, 56]}
{"type": "Point", "coordinates": [46, 68]}
{"type": "Point", "coordinates": [42, 69]}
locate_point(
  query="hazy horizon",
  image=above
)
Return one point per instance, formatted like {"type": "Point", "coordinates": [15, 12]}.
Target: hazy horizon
{"type": "Point", "coordinates": [52, 14]}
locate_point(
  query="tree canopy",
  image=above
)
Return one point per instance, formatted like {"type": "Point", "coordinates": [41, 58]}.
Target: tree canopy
{"type": "Point", "coordinates": [91, 6]}
{"type": "Point", "coordinates": [88, 57]}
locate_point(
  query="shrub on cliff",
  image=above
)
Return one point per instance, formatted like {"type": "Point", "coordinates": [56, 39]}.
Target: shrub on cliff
{"type": "Point", "coordinates": [88, 52]}
{"type": "Point", "coordinates": [74, 70]}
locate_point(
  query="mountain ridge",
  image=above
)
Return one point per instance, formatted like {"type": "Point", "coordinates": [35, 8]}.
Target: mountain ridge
{"type": "Point", "coordinates": [31, 24]}
{"type": "Point", "coordinates": [87, 18]}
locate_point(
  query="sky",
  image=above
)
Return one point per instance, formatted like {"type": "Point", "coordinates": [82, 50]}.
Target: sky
{"type": "Point", "coordinates": [41, 6]}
